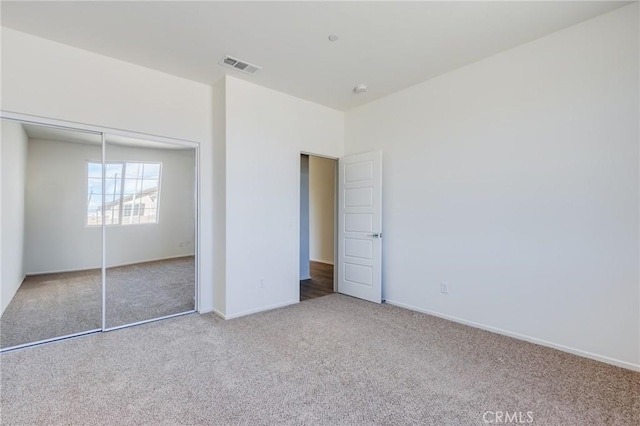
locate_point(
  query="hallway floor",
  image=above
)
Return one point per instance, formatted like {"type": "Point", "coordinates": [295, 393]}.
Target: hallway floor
{"type": "Point", "coordinates": [320, 284]}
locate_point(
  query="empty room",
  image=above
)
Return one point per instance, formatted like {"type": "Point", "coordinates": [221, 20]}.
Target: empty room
{"type": "Point", "coordinates": [320, 213]}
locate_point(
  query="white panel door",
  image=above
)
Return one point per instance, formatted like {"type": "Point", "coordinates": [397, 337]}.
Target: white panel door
{"type": "Point", "coordinates": [360, 226]}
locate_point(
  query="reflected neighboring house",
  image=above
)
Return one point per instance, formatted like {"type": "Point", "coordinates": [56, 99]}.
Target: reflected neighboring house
{"type": "Point", "coordinates": [141, 207]}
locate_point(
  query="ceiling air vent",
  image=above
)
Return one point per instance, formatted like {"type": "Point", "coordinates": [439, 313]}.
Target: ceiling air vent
{"type": "Point", "coordinates": [231, 62]}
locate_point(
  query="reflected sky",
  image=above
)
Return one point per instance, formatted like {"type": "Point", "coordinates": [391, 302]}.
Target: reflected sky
{"type": "Point", "coordinates": [138, 177]}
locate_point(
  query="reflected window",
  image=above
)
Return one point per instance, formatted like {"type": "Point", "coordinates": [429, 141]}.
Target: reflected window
{"type": "Point", "coordinates": [131, 193]}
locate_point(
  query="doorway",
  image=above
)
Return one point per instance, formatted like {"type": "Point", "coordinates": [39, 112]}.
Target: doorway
{"type": "Point", "coordinates": [317, 226]}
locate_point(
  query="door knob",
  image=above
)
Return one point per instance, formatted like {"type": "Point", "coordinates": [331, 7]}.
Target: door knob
{"type": "Point", "coordinates": [377, 235]}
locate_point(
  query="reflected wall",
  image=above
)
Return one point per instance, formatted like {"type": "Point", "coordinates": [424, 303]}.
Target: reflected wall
{"type": "Point", "coordinates": [52, 261]}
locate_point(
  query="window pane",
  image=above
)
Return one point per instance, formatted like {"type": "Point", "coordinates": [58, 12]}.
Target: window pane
{"type": "Point", "coordinates": [112, 183]}
{"type": "Point", "coordinates": [131, 193]}
{"type": "Point", "coordinates": [95, 170]}
{"type": "Point", "coordinates": [113, 179]}
{"type": "Point", "coordinates": [151, 212]}
{"type": "Point", "coordinates": [95, 185]}
{"type": "Point", "coordinates": [147, 184]}
{"type": "Point", "coordinates": [94, 220]}
{"type": "Point", "coordinates": [151, 171]}
{"type": "Point", "coordinates": [94, 193]}
{"type": "Point", "coordinates": [94, 201]}
{"type": "Point", "coordinates": [94, 209]}
{"type": "Point", "coordinates": [130, 186]}
{"type": "Point", "coordinates": [113, 169]}
{"type": "Point", "coordinates": [149, 216]}
{"type": "Point", "coordinates": [133, 170]}
{"type": "Point", "coordinates": [111, 199]}
{"type": "Point", "coordinates": [112, 212]}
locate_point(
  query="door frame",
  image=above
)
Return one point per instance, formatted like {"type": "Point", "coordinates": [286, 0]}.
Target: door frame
{"type": "Point", "coordinates": [335, 215]}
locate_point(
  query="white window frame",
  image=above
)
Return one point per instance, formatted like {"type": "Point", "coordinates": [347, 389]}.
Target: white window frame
{"type": "Point", "coordinates": [122, 195]}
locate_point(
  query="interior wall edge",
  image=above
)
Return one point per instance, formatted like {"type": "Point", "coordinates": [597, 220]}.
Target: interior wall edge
{"type": "Point", "coordinates": [215, 299]}
{"type": "Point", "coordinates": [212, 311]}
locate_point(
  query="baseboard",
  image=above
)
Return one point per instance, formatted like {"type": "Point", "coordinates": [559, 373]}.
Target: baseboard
{"type": "Point", "coordinates": [262, 309]}
{"type": "Point", "coordinates": [62, 271]}
{"type": "Point", "coordinates": [152, 260]}
{"type": "Point", "coordinates": [578, 352]}
{"type": "Point", "coordinates": [326, 262]}
{"type": "Point", "coordinates": [33, 274]}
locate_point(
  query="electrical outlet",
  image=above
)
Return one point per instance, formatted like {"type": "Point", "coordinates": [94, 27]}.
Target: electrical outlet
{"type": "Point", "coordinates": [444, 287]}
{"type": "Point", "coordinates": [261, 282]}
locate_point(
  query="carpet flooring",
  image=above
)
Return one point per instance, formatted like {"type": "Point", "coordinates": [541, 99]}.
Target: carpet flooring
{"type": "Point", "coordinates": [150, 290]}
{"type": "Point", "coordinates": [332, 360]}
{"type": "Point", "coordinates": [53, 305]}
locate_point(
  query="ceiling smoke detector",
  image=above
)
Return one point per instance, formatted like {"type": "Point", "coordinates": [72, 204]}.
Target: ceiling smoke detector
{"type": "Point", "coordinates": [360, 88]}
{"type": "Point", "coordinates": [235, 63]}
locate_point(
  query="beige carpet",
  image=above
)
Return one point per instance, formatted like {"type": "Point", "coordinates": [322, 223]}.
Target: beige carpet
{"type": "Point", "coordinates": [333, 360]}
{"type": "Point", "coordinates": [53, 305]}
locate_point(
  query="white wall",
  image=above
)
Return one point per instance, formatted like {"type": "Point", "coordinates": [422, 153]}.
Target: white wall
{"type": "Point", "coordinates": [322, 183]}
{"type": "Point", "coordinates": [266, 132]}
{"type": "Point", "coordinates": [48, 79]}
{"type": "Point", "coordinates": [13, 162]}
{"type": "Point", "coordinates": [516, 180]}
{"type": "Point", "coordinates": [56, 235]}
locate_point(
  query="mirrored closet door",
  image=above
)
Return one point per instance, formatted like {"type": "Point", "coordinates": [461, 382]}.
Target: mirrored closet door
{"type": "Point", "coordinates": [150, 218]}
{"type": "Point", "coordinates": [91, 244]}
{"type": "Point", "coordinates": [51, 248]}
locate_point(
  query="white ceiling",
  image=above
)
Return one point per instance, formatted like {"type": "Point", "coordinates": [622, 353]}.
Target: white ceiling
{"type": "Point", "coordinates": [386, 45]}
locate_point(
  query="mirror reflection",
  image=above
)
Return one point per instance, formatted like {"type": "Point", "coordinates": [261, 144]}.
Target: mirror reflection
{"type": "Point", "coordinates": [52, 257]}
{"type": "Point", "coordinates": [149, 213]}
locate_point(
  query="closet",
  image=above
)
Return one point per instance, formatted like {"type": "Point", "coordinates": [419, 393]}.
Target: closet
{"type": "Point", "coordinates": [99, 231]}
